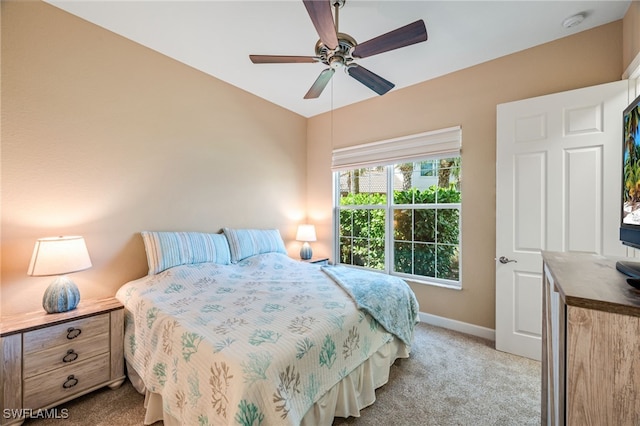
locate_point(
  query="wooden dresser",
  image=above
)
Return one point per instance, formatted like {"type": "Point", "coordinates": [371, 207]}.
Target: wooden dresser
{"type": "Point", "coordinates": [48, 359]}
{"type": "Point", "coordinates": [590, 342]}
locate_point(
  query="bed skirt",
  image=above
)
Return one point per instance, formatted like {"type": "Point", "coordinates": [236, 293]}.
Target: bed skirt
{"type": "Point", "coordinates": [353, 393]}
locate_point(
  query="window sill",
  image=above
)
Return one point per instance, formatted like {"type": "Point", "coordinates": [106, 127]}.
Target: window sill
{"type": "Point", "coordinates": [432, 283]}
{"type": "Point", "coordinates": [408, 278]}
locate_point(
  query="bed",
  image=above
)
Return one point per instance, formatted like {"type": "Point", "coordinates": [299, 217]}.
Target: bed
{"type": "Point", "coordinates": [226, 329]}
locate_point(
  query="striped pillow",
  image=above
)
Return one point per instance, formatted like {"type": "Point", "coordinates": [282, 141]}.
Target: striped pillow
{"type": "Point", "coordinates": [167, 249]}
{"type": "Point", "coordinates": [249, 242]}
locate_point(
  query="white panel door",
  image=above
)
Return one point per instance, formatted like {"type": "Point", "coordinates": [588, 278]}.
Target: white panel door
{"type": "Point", "coordinates": [557, 188]}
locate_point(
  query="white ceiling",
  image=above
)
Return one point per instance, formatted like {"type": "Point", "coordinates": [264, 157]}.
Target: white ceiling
{"type": "Point", "coordinates": [217, 37]}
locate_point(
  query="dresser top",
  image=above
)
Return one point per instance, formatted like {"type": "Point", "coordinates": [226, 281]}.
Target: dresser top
{"type": "Point", "coordinates": [592, 281]}
{"type": "Point", "coordinates": [29, 321]}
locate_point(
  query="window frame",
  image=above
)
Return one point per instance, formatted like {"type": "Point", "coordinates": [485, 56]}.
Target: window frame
{"type": "Point", "coordinates": [443, 143]}
{"type": "Point", "coordinates": [389, 252]}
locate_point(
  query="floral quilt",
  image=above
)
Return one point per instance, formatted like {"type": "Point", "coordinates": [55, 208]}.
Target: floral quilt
{"type": "Point", "coordinates": [257, 342]}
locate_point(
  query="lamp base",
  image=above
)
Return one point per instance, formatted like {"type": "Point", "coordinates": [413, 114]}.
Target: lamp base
{"type": "Point", "coordinates": [62, 295]}
{"type": "Point", "coordinates": [305, 252]}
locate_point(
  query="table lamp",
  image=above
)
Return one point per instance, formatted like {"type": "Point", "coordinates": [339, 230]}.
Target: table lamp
{"type": "Point", "coordinates": [59, 256]}
{"type": "Point", "coordinates": [306, 233]}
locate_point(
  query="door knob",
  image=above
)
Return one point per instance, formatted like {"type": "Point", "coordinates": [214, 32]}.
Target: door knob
{"type": "Point", "coordinates": [504, 260]}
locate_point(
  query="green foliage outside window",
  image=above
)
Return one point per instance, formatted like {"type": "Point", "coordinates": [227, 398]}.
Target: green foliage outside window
{"type": "Point", "coordinates": [362, 237]}
{"type": "Point", "coordinates": [425, 239]}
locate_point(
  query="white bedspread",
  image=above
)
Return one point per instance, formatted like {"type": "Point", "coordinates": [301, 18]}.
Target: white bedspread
{"type": "Point", "coordinates": [253, 343]}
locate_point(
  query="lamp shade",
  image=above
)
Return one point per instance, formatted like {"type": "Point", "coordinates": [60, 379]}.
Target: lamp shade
{"type": "Point", "coordinates": [306, 233]}
{"type": "Point", "coordinates": [59, 255]}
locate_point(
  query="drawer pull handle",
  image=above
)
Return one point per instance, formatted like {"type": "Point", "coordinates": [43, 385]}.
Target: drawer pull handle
{"type": "Point", "coordinates": [70, 356]}
{"type": "Point", "coordinates": [72, 333]}
{"type": "Point", "coordinates": [71, 382]}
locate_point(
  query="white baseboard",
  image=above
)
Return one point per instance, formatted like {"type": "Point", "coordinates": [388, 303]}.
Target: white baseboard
{"type": "Point", "coordinates": [462, 327]}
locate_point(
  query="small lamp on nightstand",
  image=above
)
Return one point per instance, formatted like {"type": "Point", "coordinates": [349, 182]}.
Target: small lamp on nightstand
{"type": "Point", "coordinates": [58, 256]}
{"type": "Point", "coordinates": [306, 233]}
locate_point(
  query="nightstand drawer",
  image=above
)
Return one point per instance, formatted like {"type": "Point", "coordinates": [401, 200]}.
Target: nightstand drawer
{"type": "Point", "coordinates": [45, 389]}
{"type": "Point", "coordinates": [76, 331]}
{"type": "Point", "coordinates": [64, 355]}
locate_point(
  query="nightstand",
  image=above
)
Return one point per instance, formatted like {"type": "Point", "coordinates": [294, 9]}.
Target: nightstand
{"type": "Point", "coordinates": [48, 359]}
{"type": "Point", "coordinates": [324, 261]}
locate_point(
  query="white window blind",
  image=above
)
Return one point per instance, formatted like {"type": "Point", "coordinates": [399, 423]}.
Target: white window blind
{"type": "Point", "coordinates": [440, 143]}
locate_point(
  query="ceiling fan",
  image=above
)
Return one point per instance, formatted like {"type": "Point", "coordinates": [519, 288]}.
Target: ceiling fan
{"type": "Point", "coordinates": [339, 50]}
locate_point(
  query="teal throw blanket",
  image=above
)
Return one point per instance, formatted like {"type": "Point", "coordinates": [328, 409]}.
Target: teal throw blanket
{"type": "Point", "coordinates": [388, 299]}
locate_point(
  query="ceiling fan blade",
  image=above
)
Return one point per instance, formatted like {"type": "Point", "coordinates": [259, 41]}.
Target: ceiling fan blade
{"type": "Point", "coordinates": [371, 80]}
{"type": "Point", "coordinates": [282, 59]}
{"type": "Point", "coordinates": [320, 83]}
{"type": "Point", "coordinates": [320, 13]}
{"type": "Point", "coordinates": [413, 33]}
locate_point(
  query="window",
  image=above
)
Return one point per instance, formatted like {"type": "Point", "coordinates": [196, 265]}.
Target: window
{"type": "Point", "coordinates": [397, 219]}
{"type": "Point", "coordinates": [427, 168]}
{"type": "Point", "coordinates": [363, 215]}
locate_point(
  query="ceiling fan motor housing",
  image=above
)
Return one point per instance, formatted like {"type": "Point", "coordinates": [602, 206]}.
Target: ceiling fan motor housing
{"type": "Point", "coordinates": [339, 57]}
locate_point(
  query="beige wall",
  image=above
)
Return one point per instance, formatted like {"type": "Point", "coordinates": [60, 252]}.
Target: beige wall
{"type": "Point", "coordinates": [104, 138]}
{"type": "Point", "coordinates": [631, 34]}
{"type": "Point", "coordinates": [467, 98]}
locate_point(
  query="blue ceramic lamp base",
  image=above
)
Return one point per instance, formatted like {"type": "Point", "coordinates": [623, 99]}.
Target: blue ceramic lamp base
{"type": "Point", "coordinates": [306, 252]}
{"type": "Point", "coordinates": [62, 295]}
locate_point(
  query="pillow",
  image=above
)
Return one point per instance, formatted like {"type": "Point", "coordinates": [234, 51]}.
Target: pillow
{"type": "Point", "coordinates": [249, 242]}
{"type": "Point", "coordinates": [168, 249]}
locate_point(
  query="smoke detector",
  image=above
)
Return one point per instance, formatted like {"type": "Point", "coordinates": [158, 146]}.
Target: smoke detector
{"type": "Point", "coordinates": [573, 20]}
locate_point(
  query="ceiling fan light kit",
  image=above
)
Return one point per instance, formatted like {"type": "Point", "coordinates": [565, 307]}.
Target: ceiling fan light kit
{"type": "Point", "coordinates": [339, 50]}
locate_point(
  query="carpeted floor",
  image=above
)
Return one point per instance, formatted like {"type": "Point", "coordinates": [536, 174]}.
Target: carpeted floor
{"type": "Point", "coordinates": [450, 379]}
